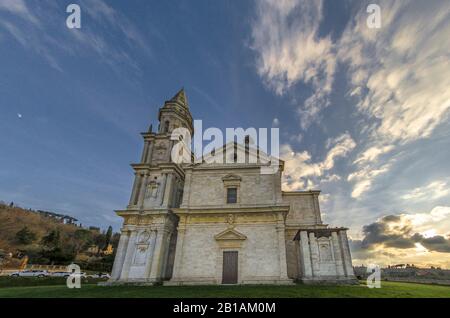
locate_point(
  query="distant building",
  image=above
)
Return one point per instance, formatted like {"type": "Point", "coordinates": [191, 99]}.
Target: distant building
{"type": "Point", "coordinates": [109, 250]}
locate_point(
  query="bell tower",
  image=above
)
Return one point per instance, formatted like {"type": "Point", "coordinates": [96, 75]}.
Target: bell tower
{"type": "Point", "coordinates": [147, 245]}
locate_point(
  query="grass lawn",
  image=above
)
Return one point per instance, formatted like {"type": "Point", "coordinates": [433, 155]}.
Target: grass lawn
{"type": "Point", "coordinates": [54, 289]}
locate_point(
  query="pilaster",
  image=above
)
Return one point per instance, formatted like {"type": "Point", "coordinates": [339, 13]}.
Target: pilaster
{"type": "Point", "coordinates": [156, 271]}
{"type": "Point", "coordinates": [346, 253]}
{"type": "Point", "coordinates": [305, 254]}
{"type": "Point", "coordinates": [314, 248]}
{"type": "Point", "coordinates": [120, 255]}
{"type": "Point", "coordinates": [337, 254]}
{"type": "Point", "coordinates": [129, 255]}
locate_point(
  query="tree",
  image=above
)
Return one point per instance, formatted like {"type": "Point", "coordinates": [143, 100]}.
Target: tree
{"type": "Point", "coordinates": [25, 236]}
{"type": "Point", "coordinates": [82, 239]}
{"type": "Point", "coordinates": [52, 239]}
{"type": "Point", "coordinates": [108, 236]}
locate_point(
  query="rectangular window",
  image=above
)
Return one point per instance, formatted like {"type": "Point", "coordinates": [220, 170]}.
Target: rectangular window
{"type": "Point", "coordinates": [231, 195]}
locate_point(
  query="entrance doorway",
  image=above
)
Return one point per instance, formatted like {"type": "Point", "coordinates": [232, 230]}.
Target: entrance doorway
{"type": "Point", "coordinates": [230, 267]}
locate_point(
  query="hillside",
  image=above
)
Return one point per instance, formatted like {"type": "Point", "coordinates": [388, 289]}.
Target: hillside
{"type": "Point", "coordinates": [42, 237]}
{"type": "Point", "coordinates": [13, 219]}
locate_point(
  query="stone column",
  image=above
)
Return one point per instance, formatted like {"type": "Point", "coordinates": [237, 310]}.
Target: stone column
{"type": "Point", "coordinates": [277, 190]}
{"type": "Point", "coordinates": [178, 262]}
{"type": "Point", "coordinates": [144, 152]}
{"type": "Point", "coordinates": [129, 255]}
{"type": "Point", "coordinates": [282, 251]}
{"type": "Point", "coordinates": [158, 255]}
{"type": "Point", "coordinates": [137, 180]}
{"type": "Point", "coordinates": [337, 254]}
{"type": "Point", "coordinates": [120, 255]}
{"type": "Point", "coordinates": [150, 152]}
{"type": "Point", "coordinates": [346, 253]}
{"type": "Point", "coordinates": [305, 255]}
{"type": "Point", "coordinates": [187, 188]}
{"type": "Point", "coordinates": [162, 193]}
{"type": "Point", "coordinates": [168, 190]}
{"type": "Point", "coordinates": [151, 253]}
{"type": "Point", "coordinates": [314, 248]}
{"type": "Point", "coordinates": [317, 209]}
{"type": "Point", "coordinates": [142, 190]}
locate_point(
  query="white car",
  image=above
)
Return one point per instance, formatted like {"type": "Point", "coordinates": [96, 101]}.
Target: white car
{"type": "Point", "coordinates": [30, 273]}
{"type": "Point", "coordinates": [60, 274]}
{"type": "Point", "coordinates": [67, 274]}
{"type": "Point", "coordinates": [100, 275]}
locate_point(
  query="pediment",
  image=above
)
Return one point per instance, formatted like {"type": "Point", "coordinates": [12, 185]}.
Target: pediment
{"type": "Point", "coordinates": [230, 235]}
{"type": "Point", "coordinates": [231, 177]}
{"type": "Point", "coordinates": [255, 153]}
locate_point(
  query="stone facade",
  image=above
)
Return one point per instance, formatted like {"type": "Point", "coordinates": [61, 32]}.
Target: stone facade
{"type": "Point", "coordinates": [182, 222]}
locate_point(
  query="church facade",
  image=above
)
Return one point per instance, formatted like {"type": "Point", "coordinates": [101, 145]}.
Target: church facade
{"type": "Point", "coordinates": [221, 223]}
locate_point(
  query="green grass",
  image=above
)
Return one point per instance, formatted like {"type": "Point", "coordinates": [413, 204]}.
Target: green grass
{"type": "Point", "coordinates": [389, 289]}
{"type": "Point", "coordinates": [6, 281]}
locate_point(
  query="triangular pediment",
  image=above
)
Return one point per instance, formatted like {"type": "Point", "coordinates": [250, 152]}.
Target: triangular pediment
{"type": "Point", "coordinates": [231, 235]}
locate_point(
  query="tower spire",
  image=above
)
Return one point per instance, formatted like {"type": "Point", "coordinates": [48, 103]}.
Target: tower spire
{"type": "Point", "coordinates": [180, 98]}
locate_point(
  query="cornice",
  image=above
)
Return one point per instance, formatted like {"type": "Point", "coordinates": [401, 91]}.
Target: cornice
{"type": "Point", "coordinates": [297, 193]}
{"type": "Point", "coordinates": [235, 209]}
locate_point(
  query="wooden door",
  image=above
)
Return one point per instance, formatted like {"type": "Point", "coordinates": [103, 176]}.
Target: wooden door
{"type": "Point", "coordinates": [230, 268]}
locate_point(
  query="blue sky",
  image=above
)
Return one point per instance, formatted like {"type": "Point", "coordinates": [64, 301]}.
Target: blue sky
{"type": "Point", "coordinates": [363, 113]}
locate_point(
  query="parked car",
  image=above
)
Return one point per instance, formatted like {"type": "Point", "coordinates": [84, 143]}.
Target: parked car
{"type": "Point", "coordinates": [60, 274]}
{"type": "Point", "coordinates": [30, 273]}
{"type": "Point", "coordinates": [100, 275]}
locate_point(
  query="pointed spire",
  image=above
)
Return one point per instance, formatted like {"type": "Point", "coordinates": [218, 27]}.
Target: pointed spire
{"type": "Point", "coordinates": [180, 98]}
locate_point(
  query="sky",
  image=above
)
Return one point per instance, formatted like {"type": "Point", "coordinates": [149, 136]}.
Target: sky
{"type": "Point", "coordinates": [363, 112]}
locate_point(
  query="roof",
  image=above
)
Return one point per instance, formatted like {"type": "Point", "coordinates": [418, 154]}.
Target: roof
{"type": "Point", "coordinates": [179, 98]}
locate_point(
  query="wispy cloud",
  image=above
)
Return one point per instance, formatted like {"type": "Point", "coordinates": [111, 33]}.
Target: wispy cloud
{"type": "Point", "coordinates": [390, 72]}
{"type": "Point", "coordinates": [300, 172]}
{"type": "Point", "coordinates": [52, 40]}
{"type": "Point", "coordinates": [19, 8]}
{"type": "Point", "coordinates": [397, 75]}
{"type": "Point", "coordinates": [432, 191]}
{"type": "Point", "coordinates": [286, 38]}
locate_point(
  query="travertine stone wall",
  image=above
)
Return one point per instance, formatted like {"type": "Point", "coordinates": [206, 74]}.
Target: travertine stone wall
{"type": "Point", "coordinates": [207, 187]}
{"type": "Point", "coordinates": [324, 257]}
{"type": "Point", "coordinates": [304, 208]}
{"type": "Point", "coordinates": [200, 260]}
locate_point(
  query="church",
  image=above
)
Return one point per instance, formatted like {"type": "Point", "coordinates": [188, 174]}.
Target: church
{"type": "Point", "coordinates": [221, 223]}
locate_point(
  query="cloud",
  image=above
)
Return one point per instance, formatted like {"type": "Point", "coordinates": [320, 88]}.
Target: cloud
{"type": "Point", "coordinates": [418, 234]}
{"type": "Point", "coordinates": [296, 138]}
{"type": "Point", "coordinates": [113, 19]}
{"type": "Point", "coordinates": [392, 68]}
{"type": "Point", "coordinates": [364, 178]}
{"type": "Point", "coordinates": [275, 122]}
{"type": "Point", "coordinates": [19, 8]}
{"type": "Point", "coordinates": [397, 76]}
{"type": "Point", "coordinates": [389, 72]}
{"type": "Point", "coordinates": [298, 168]}
{"type": "Point", "coordinates": [45, 35]}
{"type": "Point", "coordinates": [285, 35]}
{"type": "Point", "coordinates": [372, 154]}
{"type": "Point", "coordinates": [432, 191]}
